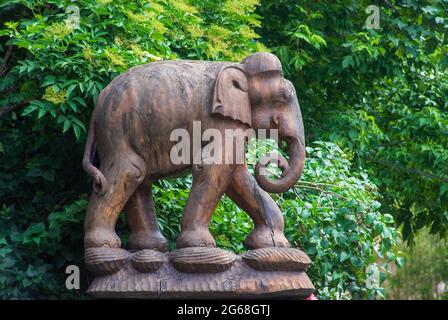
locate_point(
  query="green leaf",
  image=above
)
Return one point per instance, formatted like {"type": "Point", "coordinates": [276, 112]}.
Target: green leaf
{"type": "Point", "coordinates": [39, 104]}
{"type": "Point", "coordinates": [41, 113]}
{"type": "Point", "coordinates": [388, 218]}
{"type": "Point", "coordinates": [31, 108]}
{"type": "Point", "coordinates": [370, 218]}
{"type": "Point", "coordinates": [67, 125]}
{"type": "Point", "coordinates": [347, 62]}
{"type": "Point", "coordinates": [443, 189]}
{"type": "Point", "coordinates": [77, 131]}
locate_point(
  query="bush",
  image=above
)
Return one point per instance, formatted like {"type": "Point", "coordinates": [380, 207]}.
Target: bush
{"type": "Point", "coordinates": [332, 214]}
{"type": "Point", "coordinates": [379, 93]}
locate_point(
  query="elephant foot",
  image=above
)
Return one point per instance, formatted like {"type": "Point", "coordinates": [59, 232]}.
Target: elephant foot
{"type": "Point", "coordinates": [264, 237]}
{"type": "Point", "coordinates": [195, 238]}
{"type": "Point", "coordinates": [148, 239]}
{"type": "Point", "coordinates": [97, 238]}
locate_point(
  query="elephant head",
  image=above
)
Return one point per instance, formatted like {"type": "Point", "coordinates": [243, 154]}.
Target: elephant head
{"type": "Point", "coordinates": [256, 94]}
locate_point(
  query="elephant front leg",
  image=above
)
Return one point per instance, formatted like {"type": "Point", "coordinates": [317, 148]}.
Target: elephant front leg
{"type": "Point", "coordinates": [209, 184]}
{"type": "Point", "coordinates": [267, 217]}
{"type": "Point", "coordinates": [141, 216]}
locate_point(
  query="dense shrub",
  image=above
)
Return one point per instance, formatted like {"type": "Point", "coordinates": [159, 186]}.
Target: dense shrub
{"type": "Point", "coordinates": [380, 94]}
{"type": "Point", "coordinates": [332, 214]}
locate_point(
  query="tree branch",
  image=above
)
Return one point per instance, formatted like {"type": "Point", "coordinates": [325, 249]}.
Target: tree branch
{"type": "Point", "coordinates": [5, 60]}
{"type": "Point", "coordinates": [410, 171]}
{"type": "Point", "coordinates": [8, 109]}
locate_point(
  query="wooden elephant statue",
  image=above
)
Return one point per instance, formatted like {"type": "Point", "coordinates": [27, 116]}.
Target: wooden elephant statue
{"type": "Point", "coordinates": [131, 127]}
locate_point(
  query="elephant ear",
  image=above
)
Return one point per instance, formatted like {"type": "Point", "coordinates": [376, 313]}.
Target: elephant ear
{"type": "Point", "coordinates": [231, 97]}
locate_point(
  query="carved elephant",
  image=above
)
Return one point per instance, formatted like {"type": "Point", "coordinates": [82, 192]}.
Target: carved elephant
{"type": "Point", "coordinates": [130, 129]}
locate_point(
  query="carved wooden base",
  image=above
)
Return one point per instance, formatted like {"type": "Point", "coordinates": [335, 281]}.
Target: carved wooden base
{"type": "Point", "coordinates": [199, 273]}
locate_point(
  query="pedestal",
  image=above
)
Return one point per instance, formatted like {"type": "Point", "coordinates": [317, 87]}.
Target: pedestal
{"type": "Point", "coordinates": [199, 273]}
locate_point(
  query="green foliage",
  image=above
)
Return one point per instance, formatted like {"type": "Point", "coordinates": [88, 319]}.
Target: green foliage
{"type": "Point", "coordinates": [379, 94]}
{"type": "Point", "coordinates": [51, 73]}
{"type": "Point", "coordinates": [332, 214]}
{"type": "Point", "coordinates": [66, 66]}
{"type": "Point", "coordinates": [425, 273]}
{"type": "Point", "coordinates": [35, 252]}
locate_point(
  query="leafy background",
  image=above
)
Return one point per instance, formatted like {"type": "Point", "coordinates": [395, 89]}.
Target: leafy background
{"type": "Point", "coordinates": [381, 94]}
{"type": "Point", "coordinates": [379, 97]}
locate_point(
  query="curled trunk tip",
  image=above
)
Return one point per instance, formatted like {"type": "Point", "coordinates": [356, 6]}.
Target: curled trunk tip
{"type": "Point", "coordinates": [291, 171]}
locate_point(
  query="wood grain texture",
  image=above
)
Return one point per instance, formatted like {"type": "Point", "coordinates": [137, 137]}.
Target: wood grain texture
{"type": "Point", "coordinates": [277, 259]}
{"type": "Point", "coordinates": [131, 128]}
{"type": "Point", "coordinates": [198, 260]}
{"type": "Point", "coordinates": [101, 261]}
{"type": "Point", "coordinates": [238, 281]}
{"type": "Point", "coordinates": [148, 260]}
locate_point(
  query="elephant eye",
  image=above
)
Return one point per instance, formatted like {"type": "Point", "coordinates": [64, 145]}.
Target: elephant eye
{"type": "Point", "coordinates": [287, 95]}
{"type": "Point", "coordinates": [284, 97]}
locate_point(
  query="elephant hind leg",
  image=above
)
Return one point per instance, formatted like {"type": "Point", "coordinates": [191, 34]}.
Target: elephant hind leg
{"type": "Point", "coordinates": [265, 213]}
{"type": "Point", "coordinates": [123, 176]}
{"type": "Point", "coordinates": [141, 216]}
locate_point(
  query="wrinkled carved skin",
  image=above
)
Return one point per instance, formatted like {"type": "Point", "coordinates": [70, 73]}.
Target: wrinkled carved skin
{"type": "Point", "coordinates": [131, 127]}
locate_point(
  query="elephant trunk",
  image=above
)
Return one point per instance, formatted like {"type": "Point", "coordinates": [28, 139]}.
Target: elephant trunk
{"type": "Point", "coordinates": [291, 171]}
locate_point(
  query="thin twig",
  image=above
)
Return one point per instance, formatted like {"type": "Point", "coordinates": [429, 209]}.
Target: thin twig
{"type": "Point", "coordinates": [8, 109]}
{"type": "Point", "coordinates": [321, 184]}
{"type": "Point", "coordinates": [5, 60]}
{"type": "Point", "coordinates": [408, 170]}
{"type": "Point", "coordinates": [322, 190]}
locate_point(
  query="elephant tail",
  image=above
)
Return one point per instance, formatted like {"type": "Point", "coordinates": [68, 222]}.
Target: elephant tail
{"type": "Point", "coordinates": [99, 180]}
